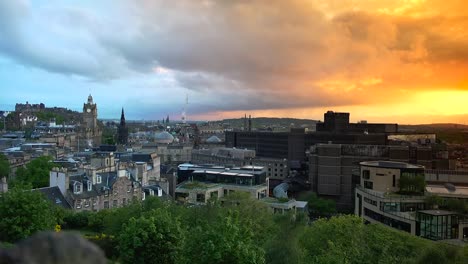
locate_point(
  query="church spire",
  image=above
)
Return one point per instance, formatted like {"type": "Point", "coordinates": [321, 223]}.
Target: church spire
{"type": "Point", "coordinates": [122, 137]}
{"type": "Point", "coordinates": [122, 116]}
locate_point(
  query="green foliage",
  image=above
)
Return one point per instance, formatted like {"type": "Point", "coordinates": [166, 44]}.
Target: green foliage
{"type": "Point", "coordinates": [96, 220]}
{"type": "Point", "coordinates": [411, 184]}
{"type": "Point", "coordinates": [108, 136]}
{"type": "Point", "coordinates": [457, 205]}
{"type": "Point", "coordinates": [156, 237]}
{"type": "Point", "coordinates": [22, 213]}
{"type": "Point", "coordinates": [4, 166]}
{"type": "Point", "coordinates": [115, 219]}
{"type": "Point", "coordinates": [433, 200]}
{"type": "Point", "coordinates": [35, 173]}
{"type": "Point", "coordinates": [108, 244]}
{"type": "Point", "coordinates": [320, 206]}
{"type": "Point", "coordinates": [283, 247]}
{"type": "Point", "coordinates": [442, 253]}
{"type": "Point", "coordinates": [77, 220]}
{"type": "Point", "coordinates": [238, 229]}
{"type": "Point", "coordinates": [48, 116]}
{"type": "Point", "coordinates": [224, 241]}
{"type": "Point", "coordinates": [346, 239]}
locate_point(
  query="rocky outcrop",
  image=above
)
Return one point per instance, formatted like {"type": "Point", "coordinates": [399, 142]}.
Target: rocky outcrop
{"type": "Point", "coordinates": [53, 248]}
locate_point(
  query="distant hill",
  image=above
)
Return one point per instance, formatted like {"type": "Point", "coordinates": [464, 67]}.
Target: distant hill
{"type": "Point", "coordinates": [270, 122]}
{"type": "Point", "coordinates": [447, 132]}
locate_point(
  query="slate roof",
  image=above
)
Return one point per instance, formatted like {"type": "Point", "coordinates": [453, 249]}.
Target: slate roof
{"type": "Point", "coordinates": [107, 181]}
{"type": "Point", "coordinates": [54, 195]}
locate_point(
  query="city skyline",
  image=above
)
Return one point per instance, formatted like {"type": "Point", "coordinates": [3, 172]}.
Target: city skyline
{"type": "Point", "coordinates": [386, 61]}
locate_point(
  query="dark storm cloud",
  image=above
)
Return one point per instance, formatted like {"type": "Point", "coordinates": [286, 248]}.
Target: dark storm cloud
{"type": "Point", "coordinates": [247, 55]}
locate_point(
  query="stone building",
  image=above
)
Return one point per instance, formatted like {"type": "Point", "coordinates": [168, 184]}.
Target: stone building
{"type": "Point", "coordinates": [91, 132]}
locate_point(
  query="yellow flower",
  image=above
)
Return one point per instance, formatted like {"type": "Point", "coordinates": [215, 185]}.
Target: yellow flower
{"type": "Point", "coordinates": [58, 228]}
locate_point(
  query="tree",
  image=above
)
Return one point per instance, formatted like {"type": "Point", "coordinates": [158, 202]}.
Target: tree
{"type": "Point", "coordinates": [4, 166]}
{"type": "Point", "coordinates": [224, 241]}
{"type": "Point", "coordinates": [346, 239]}
{"type": "Point", "coordinates": [156, 237]}
{"type": "Point", "coordinates": [23, 213]}
{"type": "Point", "coordinates": [320, 206]}
{"type": "Point", "coordinates": [36, 172]}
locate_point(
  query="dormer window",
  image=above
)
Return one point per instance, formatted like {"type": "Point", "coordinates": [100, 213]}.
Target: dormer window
{"type": "Point", "coordinates": [98, 179]}
{"type": "Point", "coordinates": [90, 186]}
{"type": "Point", "coordinates": [77, 187]}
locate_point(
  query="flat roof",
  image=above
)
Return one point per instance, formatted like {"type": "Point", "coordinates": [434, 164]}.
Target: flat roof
{"type": "Point", "coordinates": [390, 164]}
{"type": "Point", "coordinates": [442, 190]}
{"type": "Point", "coordinates": [437, 212]}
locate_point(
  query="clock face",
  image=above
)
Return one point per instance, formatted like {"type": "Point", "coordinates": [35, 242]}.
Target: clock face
{"type": "Point", "coordinates": [88, 110]}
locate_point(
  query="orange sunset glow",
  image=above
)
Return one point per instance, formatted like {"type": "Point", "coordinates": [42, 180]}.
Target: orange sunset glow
{"type": "Point", "coordinates": [398, 61]}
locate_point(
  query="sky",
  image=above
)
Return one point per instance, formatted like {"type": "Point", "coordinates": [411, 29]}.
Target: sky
{"type": "Point", "coordinates": [402, 61]}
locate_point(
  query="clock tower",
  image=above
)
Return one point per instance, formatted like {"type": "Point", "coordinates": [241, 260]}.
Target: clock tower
{"type": "Point", "coordinates": [91, 129]}
{"type": "Point", "coordinates": [90, 114]}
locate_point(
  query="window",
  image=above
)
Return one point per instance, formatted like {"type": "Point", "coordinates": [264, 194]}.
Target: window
{"type": "Point", "coordinates": [78, 203]}
{"type": "Point", "coordinates": [200, 197]}
{"type": "Point", "coordinates": [124, 201]}
{"type": "Point", "coordinates": [90, 186]}
{"type": "Point", "coordinates": [368, 185]}
{"type": "Point", "coordinates": [115, 203]}
{"type": "Point", "coordinates": [129, 188]}
{"type": "Point", "coordinates": [365, 174]}
{"type": "Point", "coordinates": [86, 203]}
{"type": "Point", "coordinates": [98, 179]}
{"type": "Point", "coordinates": [370, 201]}
{"type": "Point", "coordinates": [77, 186]}
{"type": "Point", "coordinates": [393, 181]}
{"type": "Point", "coordinates": [106, 204]}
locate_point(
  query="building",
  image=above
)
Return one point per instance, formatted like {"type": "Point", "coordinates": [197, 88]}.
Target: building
{"type": "Point", "coordinates": [197, 183]}
{"type": "Point", "coordinates": [294, 144]}
{"type": "Point", "coordinates": [232, 157]}
{"type": "Point", "coordinates": [339, 123]}
{"type": "Point", "coordinates": [94, 191]}
{"type": "Point", "coordinates": [392, 193]}
{"type": "Point", "coordinates": [331, 166]}
{"type": "Point", "coordinates": [171, 153]}
{"type": "Point", "coordinates": [122, 131]}
{"type": "Point", "coordinates": [3, 185]}
{"type": "Point", "coordinates": [91, 132]}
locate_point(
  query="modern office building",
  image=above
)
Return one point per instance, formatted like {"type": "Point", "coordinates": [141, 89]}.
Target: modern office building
{"type": "Point", "coordinates": [293, 145]}
{"type": "Point", "coordinates": [331, 166]}
{"type": "Point", "coordinates": [197, 184]}
{"type": "Point", "coordinates": [232, 157]}
{"type": "Point", "coordinates": [392, 193]}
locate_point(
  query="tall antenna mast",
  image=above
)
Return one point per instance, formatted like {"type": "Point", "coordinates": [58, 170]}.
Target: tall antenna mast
{"type": "Point", "coordinates": [184, 115]}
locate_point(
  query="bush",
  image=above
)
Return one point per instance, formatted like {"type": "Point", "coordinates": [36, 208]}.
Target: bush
{"type": "Point", "coordinates": [96, 220]}
{"type": "Point", "coordinates": [76, 220]}
{"type": "Point", "coordinates": [108, 244]}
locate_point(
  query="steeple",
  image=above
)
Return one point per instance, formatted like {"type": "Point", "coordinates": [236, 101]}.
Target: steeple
{"type": "Point", "coordinates": [122, 118]}
{"type": "Point", "coordinates": [90, 99]}
{"type": "Point", "coordinates": [122, 132]}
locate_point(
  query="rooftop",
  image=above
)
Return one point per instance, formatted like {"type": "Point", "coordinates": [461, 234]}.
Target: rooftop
{"type": "Point", "coordinates": [437, 212]}
{"type": "Point", "coordinates": [390, 165]}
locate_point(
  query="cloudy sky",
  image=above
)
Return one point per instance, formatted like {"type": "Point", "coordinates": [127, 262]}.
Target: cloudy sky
{"type": "Point", "coordinates": [388, 61]}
